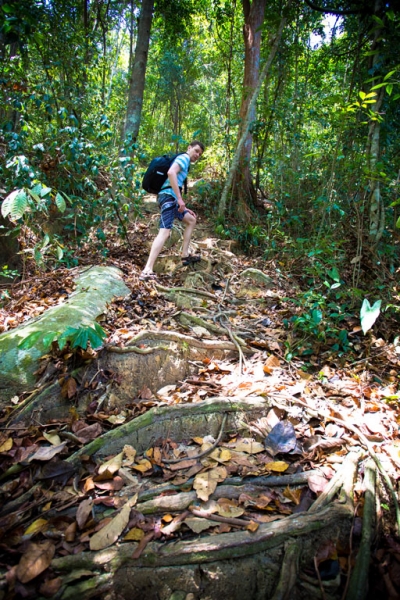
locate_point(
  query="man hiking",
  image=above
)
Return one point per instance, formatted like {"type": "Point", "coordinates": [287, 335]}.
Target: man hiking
{"type": "Point", "coordinates": [173, 207]}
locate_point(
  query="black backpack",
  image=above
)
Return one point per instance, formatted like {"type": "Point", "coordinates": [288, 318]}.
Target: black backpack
{"type": "Point", "coordinates": [157, 173]}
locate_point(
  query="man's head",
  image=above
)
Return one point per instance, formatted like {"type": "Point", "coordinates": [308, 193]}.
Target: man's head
{"type": "Point", "coordinates": [195, 150]}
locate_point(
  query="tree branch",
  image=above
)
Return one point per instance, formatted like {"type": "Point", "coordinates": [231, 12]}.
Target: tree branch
{"type": "Point", "coordinates": [334, 11]}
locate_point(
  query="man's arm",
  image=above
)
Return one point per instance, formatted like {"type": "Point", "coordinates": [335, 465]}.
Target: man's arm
{"type": "Point", "coordinates": [173, 180]}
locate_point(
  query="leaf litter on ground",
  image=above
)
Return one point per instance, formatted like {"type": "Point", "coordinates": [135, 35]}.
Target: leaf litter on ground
{"type": "Point", "coordinates": [140, 497]}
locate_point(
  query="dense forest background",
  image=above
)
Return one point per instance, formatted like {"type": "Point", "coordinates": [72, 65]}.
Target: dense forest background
{"type": "Point", "coordinates": [300, 122]}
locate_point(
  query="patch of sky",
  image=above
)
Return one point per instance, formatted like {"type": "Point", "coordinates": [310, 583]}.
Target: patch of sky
{"type": "Point", "coordinates": [331, 26]}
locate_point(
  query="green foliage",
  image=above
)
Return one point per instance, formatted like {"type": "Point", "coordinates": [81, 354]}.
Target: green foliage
{"type": "Point", "coordinates": [8, 273]}
{"type": "Point", "coordinates": [249, 237]}
{"type": "Point", "coordinates": [77, 338]}
{"type": "Point", "coordinates": [38, 199]}
{"type": "Point", "coordinates": [322, 321]}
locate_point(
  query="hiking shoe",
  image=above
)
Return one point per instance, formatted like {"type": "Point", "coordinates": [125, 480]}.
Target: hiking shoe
{"type": "Point", "coordinates": [191, 259]}
{"type": "Point", "coordinates": [147, 276]}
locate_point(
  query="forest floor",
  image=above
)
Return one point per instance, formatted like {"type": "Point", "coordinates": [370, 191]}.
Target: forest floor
{"type": "Point", "coordinates": [324, 405]}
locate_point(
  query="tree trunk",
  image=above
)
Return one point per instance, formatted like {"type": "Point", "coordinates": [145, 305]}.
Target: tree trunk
{"type": "Point", "coordinates": [376, 208]}
{"type": "Point", "coordinates": [137, 81]}
{"type": "Point", "coordinates": [254, 18]}
{"type": "Point", "coordinates": [242, 148]}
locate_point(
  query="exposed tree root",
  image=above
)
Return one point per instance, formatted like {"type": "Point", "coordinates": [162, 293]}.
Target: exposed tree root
{"type": "Point", "coordinates": [358, 586]}
{"type": "Point", "coordinates": [193, 291]}
{"type": "Point", "coordinates": [346, 472]}
{"type": "Point", "coordinates": [289, 570]}
{"type": "Point", "coordinates": [172, 336]}
{"type": "Point", "coordinates": [365, 442]}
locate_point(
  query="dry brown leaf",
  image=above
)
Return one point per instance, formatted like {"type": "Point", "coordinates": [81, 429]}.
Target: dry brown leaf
{"type": "Point", "coordinates": [142, 465]}
{"type": "Point", "coordinates": [69, 388]}
{"type": "Point", "coordinates": [109, 534]}
{"type": "Point", "coordinates": [36, 527]}
{"type": "Point", "coordinates": [50, 587]}
{"type": "Point", "coordinates": [249, 446]}
{"type": "Point", "coordinates": [70, 532]}
{"type": "Point", "coordinates": [84, 510]}
{"type": "Point", "coordinates": [134, 535]}
{"type": "Point", "coordinates": [205, 483]}
{"type": "Point", "coordinates": [293, 495]}
{"type": "Point", "coordinates": [6, 445]}
{"type": "Point", "coordinates": [198, 440]}
{"type": "Point", "coordinates": [35, 560]}
{"type": "Point", "coordinates": [129, 454]}
{"type": "Point", "coordinates": [183, 464]}
{"type": "Point", "coordinates": [279, 466]}
{"type": "Point", "coordinates": [88, 433]}
{"type": "Point", "coordinates": [112, 465]}
{"type": "Point", "coordinates": [316, 483]}
{"type": "Point", "coordinates": [157, 456]}
{"type": "Point", "coordinates": [222, 455]}
{"type": "Point", "coordinates": [89, 485]}
{"type": "Point", "coordinates": [271, 363]}
{"type": "Point", "coordinates": [52, 437]}
{"type": "Point", "coordinates": [47, 452]}
{"type": "Point", "coordinates": [252, 526]}
{"type": "Point", "coordinates": [228, 508]}
{"type": "Point", "coordinates": [198, 524]}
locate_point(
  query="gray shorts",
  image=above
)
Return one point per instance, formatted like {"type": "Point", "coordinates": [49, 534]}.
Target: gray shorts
{"type": "Point", "coordinates": [169, 211]}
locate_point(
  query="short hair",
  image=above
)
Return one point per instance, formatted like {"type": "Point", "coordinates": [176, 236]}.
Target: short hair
{"type": "Point", "coordinates": [197, 143]}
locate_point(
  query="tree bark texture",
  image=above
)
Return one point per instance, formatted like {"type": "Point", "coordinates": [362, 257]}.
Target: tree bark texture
{"type": "Point", "coordinates": [137, 81]}
{"type": "Point", "coordinates": [253, 19]}
{"type": "Point", "coordinates": [237, 164]}
{"type": "Point", "coordinates": [376, 208]}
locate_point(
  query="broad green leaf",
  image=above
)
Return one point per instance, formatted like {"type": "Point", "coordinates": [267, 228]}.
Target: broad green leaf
{"type": "Point", "coordinates": [34, 196]}
{"type": "Point", "coordinates": [334, 274]}
{"type": "Point", "coordinates": [46, 241]}
{"type": "Point", "coordinates": [30, 340]}
{"type": "Point", "coordinates": [369, 314]}
{"type": "Point", "coordinates": [389, 74]}
{"type": "Point", "coordinates": [389, 88]}
{"type": "Point", "coordinates": [15, 204]}
{"type": "Point", "coordinates": [44, 191]}
{"type": "Point", "coordinates": [398, 223]}
{"type": "Point", "coordinates": [316, 316]}
{"type": "Point", "coordinates": [36, 189]}
{"type": "Point", "coordinates": [99, 330]}
{"type": "Point", "coordinates": [60, 202]}
{"type": "Point", "coordinates": [94, 339]}
{"type": "Point", "coordinates": [60, 252]}
{"type": "Point", "coordinates": [66, 335]}
{"type": "Point", "coordinates": [378, 20]}
{"type": "Point", "coordinates": [362, 95]}
{"type": "Point", "coordinates": [48, 338]}
{"type": "Point", "coordinates": [37, 255]}
{"type": "Point", "coordinates": [378, 85]}
{"type": "Point", "coordinates": [81, 339]}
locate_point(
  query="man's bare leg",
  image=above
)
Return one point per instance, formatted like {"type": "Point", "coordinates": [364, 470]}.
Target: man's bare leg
{"type": "Point", "coordinates": [190, 222]}
{"type": "Point", "coordinates": [156, 248]}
